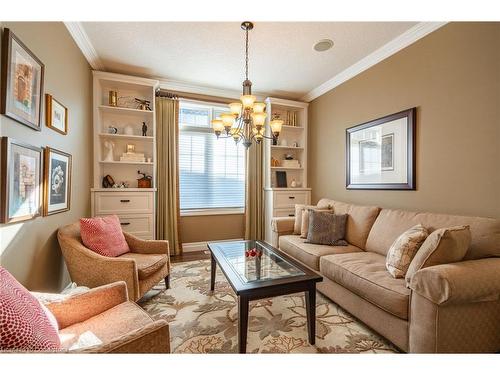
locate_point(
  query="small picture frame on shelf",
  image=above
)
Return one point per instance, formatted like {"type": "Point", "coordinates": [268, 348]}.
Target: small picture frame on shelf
{"type": "Point", "coordinates": [281, 179]}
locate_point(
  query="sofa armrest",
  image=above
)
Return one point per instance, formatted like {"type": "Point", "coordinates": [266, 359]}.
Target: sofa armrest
{"type": "Point", "coordinates": [76, 308]}
{"type": "Point", "coordinates": [283, 225]}
{"type": "Point", "coordinates": [458, 283]}
{"type": "Point", "coordinates": [152, 338]}
{"type": "Point", "coordinates": [138, 245]}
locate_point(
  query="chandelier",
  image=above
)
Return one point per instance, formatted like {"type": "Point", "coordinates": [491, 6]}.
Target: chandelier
{"type": "Point", "coordinates": [246, 119]}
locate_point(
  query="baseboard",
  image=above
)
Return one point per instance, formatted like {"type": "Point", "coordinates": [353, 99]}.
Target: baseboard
{"type": "Point", "coordinates": [188, 247]}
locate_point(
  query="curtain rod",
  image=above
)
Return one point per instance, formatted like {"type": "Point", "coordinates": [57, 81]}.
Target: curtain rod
{"type": "Point", "coordinates": [193, 97]}
{"type": "Point", "coordinates": [165, 94]}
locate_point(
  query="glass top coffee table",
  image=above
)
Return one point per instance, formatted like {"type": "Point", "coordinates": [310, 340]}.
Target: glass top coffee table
{"type": "Point", "coordinates": [257, 270]}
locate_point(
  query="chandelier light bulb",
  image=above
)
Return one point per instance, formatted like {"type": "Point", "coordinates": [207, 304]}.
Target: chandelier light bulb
{"type": "Point", "coordinates": [258, 118]}
{"type": "Point", "coordinates": [276, 125]}
{"type": "Point", "coordinates": [248, 100]}
{"type": "Point", "coordinates": [227, 119]}
{"type": "Point", "coordinates": [235, 108]}
{"type": "Point", "coordinates": [217, 125]}
{"type": "Point", "coordinates": [258, 107]}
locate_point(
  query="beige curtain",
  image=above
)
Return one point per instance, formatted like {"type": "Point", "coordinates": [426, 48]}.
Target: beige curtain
{"type": "Point", "coordinates": [168, 214]}
{"type": "Point", "coordinates": [254, 194]}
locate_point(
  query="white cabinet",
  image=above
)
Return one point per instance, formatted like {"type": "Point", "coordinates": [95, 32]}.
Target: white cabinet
{"type": "Point", "coordinates": [292, 143]}
{"type": "Point", "coordinates": [125, 143]}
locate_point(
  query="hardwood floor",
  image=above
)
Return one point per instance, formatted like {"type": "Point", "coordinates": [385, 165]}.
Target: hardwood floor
{"type": "Point", "coordinates": [189, 256]}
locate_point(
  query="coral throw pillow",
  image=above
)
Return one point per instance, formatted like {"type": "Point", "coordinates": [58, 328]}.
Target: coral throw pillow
{"type": "Point", "coordinates": [25, 324]}
{"type": "Point", "coordinates": [104, 235]}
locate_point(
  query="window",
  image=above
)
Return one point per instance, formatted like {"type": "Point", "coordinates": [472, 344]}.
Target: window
{"type": "Point", "coordinates": [211, 170]}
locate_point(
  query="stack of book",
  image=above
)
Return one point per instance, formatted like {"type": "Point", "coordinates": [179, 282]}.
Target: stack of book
{"type": "Point", "coordinates": [133, 157]}
{"type": "Point", "coordinates": [290, 164]}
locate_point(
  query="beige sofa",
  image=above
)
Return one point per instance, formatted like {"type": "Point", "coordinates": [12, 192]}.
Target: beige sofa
{"type": "Point", "coordinates": [446, 308]}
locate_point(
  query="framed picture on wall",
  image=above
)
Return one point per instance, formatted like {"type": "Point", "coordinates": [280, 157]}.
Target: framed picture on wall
{"type": "Point", "coordinates": [21, 172]}
{"type": "Point", "coordinates": [57, 181]}
{"type": "Point", "coordinates": [380, 154]}
{"type": "Point", "coordinates": [22, 82]}
{"type": "Point", "coordinates": [56, 115]}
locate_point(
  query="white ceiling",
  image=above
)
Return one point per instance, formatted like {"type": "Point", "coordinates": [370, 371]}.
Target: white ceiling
{"type": "Point", "coordinates": [211, 54]}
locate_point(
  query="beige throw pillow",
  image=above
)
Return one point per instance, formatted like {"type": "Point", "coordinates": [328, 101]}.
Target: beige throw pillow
{"type": "Point", "coordinates": [305, 219]}
{"type": "Point", "coordinates": [297, 226]}
{"type": "Point", "coordinates": [446, 245]}
{"type": "Point", "coordinates": [403, 250]}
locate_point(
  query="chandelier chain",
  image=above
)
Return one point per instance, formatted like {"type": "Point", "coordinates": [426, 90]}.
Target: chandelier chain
{"type": "Point", "coordinates": [246, 53]}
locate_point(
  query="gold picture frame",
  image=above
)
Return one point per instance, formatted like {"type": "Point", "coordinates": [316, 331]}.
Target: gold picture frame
{"type": "Point", "coordinates": [57, 169]}
{"type": "Point", "coordinates": [54, 119]}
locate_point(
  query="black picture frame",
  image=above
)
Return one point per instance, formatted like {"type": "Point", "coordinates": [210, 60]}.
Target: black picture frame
{"type": "Point", "coordinates": [410, 184]}
{"type": "Point", "coordinates": [8, 88]}
{"type": "Point", "coordinates": [281, 179]}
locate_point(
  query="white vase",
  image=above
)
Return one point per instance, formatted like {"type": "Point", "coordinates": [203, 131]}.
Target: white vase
{"type": "Point", "coordinates": [129, 130]}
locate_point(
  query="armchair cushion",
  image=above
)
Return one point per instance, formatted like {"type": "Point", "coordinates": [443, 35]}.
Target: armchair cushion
{"type": "Point", "coordinates": [104, 235]}
{"type": "Point", "coordinates": [147, 264]}
{"type": "Point", "coordinates": [25, 324]}
{"type": "Point", "coordinates": [105, 327]}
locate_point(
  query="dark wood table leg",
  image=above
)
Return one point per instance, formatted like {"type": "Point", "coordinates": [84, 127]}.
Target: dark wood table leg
{"type": "Point", "coordinates": [212, 271]}
{"type": "Point", "coordinates": [311, 314]}
{"type": "Point", "coordinates": [242, 323]}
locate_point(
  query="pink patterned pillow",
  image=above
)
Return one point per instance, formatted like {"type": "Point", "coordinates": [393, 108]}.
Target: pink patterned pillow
{"type": "Point", "coordinates": [25, 324]}
{"type": "Point", "coordinates": [104, 235]}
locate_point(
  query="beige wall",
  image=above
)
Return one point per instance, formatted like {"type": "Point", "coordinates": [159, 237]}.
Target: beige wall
{"type": "Point", "coordinates": [211, 228]}
{"type": "Point", "coordinates": [452, 76]}
{"type": "Point", "coordinates": [29, 250]}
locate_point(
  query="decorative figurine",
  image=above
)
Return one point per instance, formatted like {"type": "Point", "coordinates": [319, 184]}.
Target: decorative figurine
{"type": "Point", "coordinates": [129, 130]}
{"type": "Point", "coordinates": [144, 181]}
{"type": "Point", "coordinates": [144, 129]}
{"type": "Point", "coordinates": [293, 183]}
{"type": "Point", "coordinates": [143, 104]}
{"type": "Point", "coordinates": [113, 98]}
{"type": "Point", "coordinates": [112, 130]}
{"type": "Point", "coordinates": [109, 146]}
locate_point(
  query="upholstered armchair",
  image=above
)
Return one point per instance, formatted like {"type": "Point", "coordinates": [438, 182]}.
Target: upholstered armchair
{"type": "Point", "coordinates": [147, 263]}
{"type": "Point", "coordinates": [103, 320]}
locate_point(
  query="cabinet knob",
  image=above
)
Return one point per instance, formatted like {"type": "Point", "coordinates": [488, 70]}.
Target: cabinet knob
{"type": "Point", "coordinates": [291, 215]}
{"type": "Point", "coordinates": [291, 197]}
{"type": "Point", "coordinates": [124, 200]}
{"type": "Point", "coordinates": [124, 224]}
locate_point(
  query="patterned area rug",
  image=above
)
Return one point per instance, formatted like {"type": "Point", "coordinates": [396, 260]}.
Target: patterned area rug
{"type": "Point", "coordinates": [205, 322]}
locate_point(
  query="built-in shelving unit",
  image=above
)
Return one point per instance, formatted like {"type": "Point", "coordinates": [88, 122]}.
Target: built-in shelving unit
{"type": "Point", "coordinates": [122, 126]}
{"type": "Point", "coordinates": [292, 141]}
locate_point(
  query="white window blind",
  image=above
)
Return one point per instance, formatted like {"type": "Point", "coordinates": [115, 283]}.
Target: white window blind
{"type": "Point", "coordinates": [211, 171]}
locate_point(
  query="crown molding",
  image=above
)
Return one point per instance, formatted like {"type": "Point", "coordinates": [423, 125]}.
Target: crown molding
{"type": "Point", "coordinates": [181, 86]}
{"type": "Point", "coordinates": [402, 41]}
{"type": "Point", "coordinates": [82, 40]}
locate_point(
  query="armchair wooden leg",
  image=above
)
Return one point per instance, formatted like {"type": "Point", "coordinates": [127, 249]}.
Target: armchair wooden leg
{"type": "Point", "coordinates": [167, 282]}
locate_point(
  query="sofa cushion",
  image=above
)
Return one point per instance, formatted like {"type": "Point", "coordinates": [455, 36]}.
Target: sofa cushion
{"type": "Point", "coordinates": [25, 324]}
{"type": "Point", "coordinates": [103, 328]}
{"type": "Point", "coordinates": [359, 221]}
{"type": "Point", "coordinates": [304, 228]}
{"type": "Point", "coordinates": [147, 264]}
{"type": "Point", "coordinates": [300, 209]}
{"type": "Point", "coordinates": [446, 245]}
{"type": "Point", "coordinates": [485, 232]}
{"type": "Point", "coordinates": [104, 235]}
{"type": "Point", "coordinates": [364, 273]}
{"type": "Point", "coordinates": [309, 253]}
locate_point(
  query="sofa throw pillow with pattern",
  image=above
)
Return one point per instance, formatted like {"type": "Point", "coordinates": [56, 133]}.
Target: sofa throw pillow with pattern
{"type": "Point", "coordinates": [326, 228]}
{"type": "Point", "coordinates": [104, 235]}
{"type": "Point", "coordinates": [297, 226]}
{"type": "Point", "coordinates": [445, 245]}
{"type": "Point", "coordinates": [25, 324]}
{"type": "Point", "coordinates": [305, 220]}
{"type": "Point", "coordinates": [403, 250]}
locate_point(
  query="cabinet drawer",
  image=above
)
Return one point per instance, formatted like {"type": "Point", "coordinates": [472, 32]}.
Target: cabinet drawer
{"type": "Point", "coordinates": [126, 202]}
{"type": "Point", "coordinates": [284, 212]}
{"type": "Point", "coordinates": [288, 199]}
{"type": "Point", "coordinates": [138, 225]}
